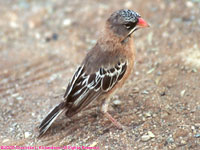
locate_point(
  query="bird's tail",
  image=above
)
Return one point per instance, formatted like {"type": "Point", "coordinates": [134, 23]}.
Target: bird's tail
{"type": "Point", "coordinates": [50, 118]}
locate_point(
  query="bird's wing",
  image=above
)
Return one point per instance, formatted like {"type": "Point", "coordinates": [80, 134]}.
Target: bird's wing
{"type": "Point", "coordinates": [83, 88]}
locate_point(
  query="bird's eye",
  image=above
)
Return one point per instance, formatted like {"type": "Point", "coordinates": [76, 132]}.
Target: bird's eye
{"type": "Point", "coordinates": [127, 26]}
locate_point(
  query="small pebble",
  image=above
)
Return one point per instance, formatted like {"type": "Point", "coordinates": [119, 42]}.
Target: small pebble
{"type": "Point", "coordinates": [137, 73]}
{"type": "Point", "coordinates": [67, 22]}
{"type": "Point", "coordinates": [170, 140]}
{"type": "Point", "coordinates": [165, 34]}
{"type": "Point", "coordinates": [154, 115]}
{"type": "Point", "coordinates": [14, 25]}
{"type": "Point", "coordinates": [182, 93]}
{"type": "Point", "coordinates": [93, 144]}
{"type": "Point", "coordinates": [148, 136]}
{"type": "Point", "coordinates": [50, 37]}
{"type": "Point", "coordinates": [27, 134]}
{"type": "Point", "coordinates": [19, 98]}
{"type": "Point", "coordinates": [147, 114]}
{"type": "Point", "coordinates": [197, 135]}
{"type": "Point", "coordinates": [145, 92]}
{"type": "Point", "coordinates": [162, 93]}
{"type": "Point", "coordinates": [189, 4]}
{"type": "Point", "coordinates": [151, 134]}
{"type": "Point", "coordinates": [37, 35]}
{"type": "Point", "coordinates": [194, 70]}
{"type": "Point", "coordinates": [150, 71]}
{"type": "Point", "coordinates": [193, 127]}
{"type": "Point", "coordinates": [117, 102]}
{"type": "Point", "coordinates": [145, 138]}
{"type": "Point", "coordinates": [183, 142]}
{"type": "Point", "coordinates": [197, 125]}
{"type": "Point", "coordinates": [55, 36]}
{"type": "Point", "coordinates": [15, 95]}
{"type": "Point", "coordinates": [33, 114]}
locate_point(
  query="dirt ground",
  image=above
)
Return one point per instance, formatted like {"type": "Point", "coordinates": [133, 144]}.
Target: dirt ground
{"type": "Point", "coordinates": [42, 43]}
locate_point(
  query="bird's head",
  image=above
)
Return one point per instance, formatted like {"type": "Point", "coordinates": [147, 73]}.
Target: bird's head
{"type": "Point", "coordinates": [124, 22]}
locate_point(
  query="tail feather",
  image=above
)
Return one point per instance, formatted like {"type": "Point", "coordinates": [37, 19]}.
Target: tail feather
{"type": "Point", "coordinates": [50, 118]}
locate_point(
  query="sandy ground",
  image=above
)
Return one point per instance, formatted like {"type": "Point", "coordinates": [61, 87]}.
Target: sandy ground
{"type": "Point", "coordinates": [42, 43]}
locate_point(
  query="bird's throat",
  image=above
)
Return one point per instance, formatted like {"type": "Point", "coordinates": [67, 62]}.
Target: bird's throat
{"type": "Point", "coordinates": [126, 39]}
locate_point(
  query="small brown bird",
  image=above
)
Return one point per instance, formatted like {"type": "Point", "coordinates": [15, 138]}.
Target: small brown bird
{"type": "Point", "coordinates": [104, 69]}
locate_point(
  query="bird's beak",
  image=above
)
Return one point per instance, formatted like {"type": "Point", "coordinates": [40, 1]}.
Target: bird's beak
{"type": "Point", "coordinates": [142, 23]}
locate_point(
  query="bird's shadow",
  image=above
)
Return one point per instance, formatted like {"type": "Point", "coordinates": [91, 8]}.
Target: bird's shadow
{"type": "Point", "coordinates": [86, 119]}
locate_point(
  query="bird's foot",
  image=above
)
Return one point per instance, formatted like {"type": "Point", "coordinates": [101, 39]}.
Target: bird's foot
{"type": "Point", "coordinates": [115, 122]}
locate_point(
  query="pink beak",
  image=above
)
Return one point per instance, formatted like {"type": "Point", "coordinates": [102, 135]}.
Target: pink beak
{"type": "Point", "coordinates": [142, 23]}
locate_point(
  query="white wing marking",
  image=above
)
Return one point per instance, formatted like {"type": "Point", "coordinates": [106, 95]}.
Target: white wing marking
{"type": "Point", "coordinates": [103, 79]}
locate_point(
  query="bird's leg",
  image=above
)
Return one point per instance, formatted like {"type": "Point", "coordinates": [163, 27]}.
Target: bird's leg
{"type": "Point", "coordinates": [104, 110]}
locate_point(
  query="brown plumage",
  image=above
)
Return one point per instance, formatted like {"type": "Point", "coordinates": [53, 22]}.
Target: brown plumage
{"type": "Point", "coordinates": [105, 68]}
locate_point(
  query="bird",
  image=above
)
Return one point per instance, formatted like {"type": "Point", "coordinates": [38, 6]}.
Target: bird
{"type": "Point", "coordinates": [104, 69]}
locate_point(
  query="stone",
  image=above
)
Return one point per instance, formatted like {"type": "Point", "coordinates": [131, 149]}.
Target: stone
{"type": "Point", "coordinates": [151, 134]}
{"type": "Point", "coordinates": [145, 138]}
{"type": "Point", "coordinates": [117, 102]}
{"type": "Point", "coordinates": [67, 22]}
{"type": "Point", "coordinates": [27, 134]}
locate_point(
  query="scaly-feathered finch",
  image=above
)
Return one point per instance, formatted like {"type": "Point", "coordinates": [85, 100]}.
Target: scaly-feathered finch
{"type": "Point", "coordinates": [104, 69]}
